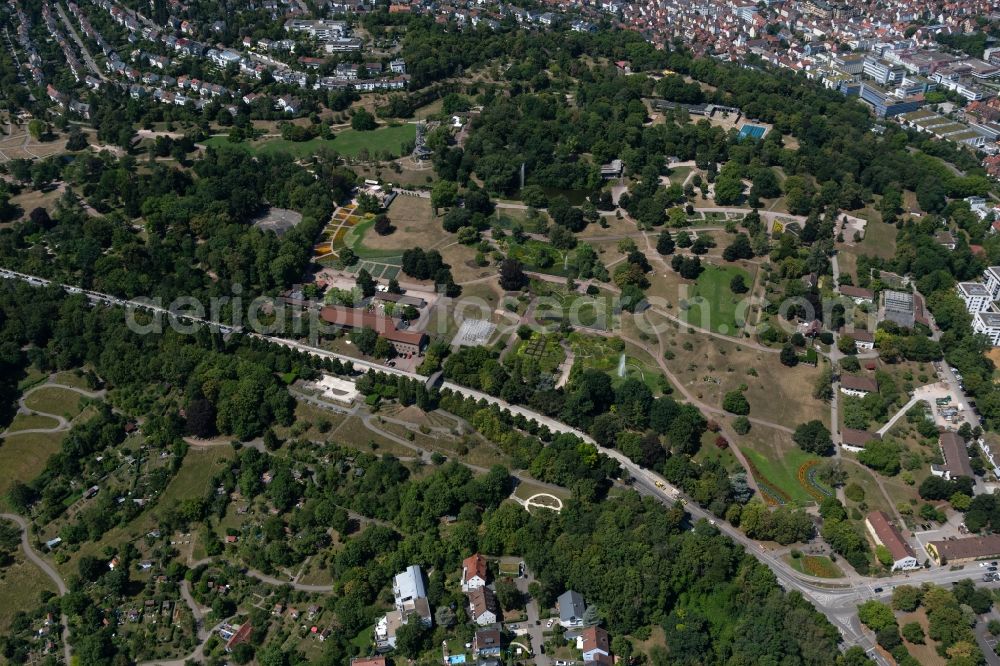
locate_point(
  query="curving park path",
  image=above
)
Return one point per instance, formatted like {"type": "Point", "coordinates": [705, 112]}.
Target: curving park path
{"type": "Point", "coordinates": [62, 423]}
{"type": "Point", "coordinates": [35, 558]}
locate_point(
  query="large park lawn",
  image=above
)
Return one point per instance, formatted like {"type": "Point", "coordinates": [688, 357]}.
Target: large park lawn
{"type": "Point", "coordinates": [712, 304]}
{"type": "Point", "coordinates": [388, 139]}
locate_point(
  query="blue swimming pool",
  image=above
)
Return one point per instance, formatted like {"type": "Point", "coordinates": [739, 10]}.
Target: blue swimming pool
{"type": "Point", "coordinates": [752, 131]}
{"type": "Point", "coordinates": [456, 659]}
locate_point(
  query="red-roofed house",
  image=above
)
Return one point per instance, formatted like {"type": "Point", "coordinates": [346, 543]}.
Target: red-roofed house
{"type": "Point", "coordinates": [594, 643]}
{"type": "Point", "coordinates": [474, 573]}
{"type": "Point", "coordinates": [242, 635]}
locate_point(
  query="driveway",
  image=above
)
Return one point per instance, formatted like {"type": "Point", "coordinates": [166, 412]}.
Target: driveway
{"type": "Point", "coordinates": [534, 628]}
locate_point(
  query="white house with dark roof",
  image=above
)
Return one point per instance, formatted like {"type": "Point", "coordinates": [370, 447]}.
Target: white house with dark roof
{"type": "Point", "coordinates": [857, 386]}
{"type": "Point", "coordinates": [571, 609]}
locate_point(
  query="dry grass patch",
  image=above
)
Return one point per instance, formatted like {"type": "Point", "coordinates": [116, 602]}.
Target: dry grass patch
{"type": "Point", "coordinates": [709, 367]}
{"type": "Point", "coordinates": [415, 226]}
{"type": "Point", "coordinates": [23, 457]}
{"type": "Point", "coordinates": [925, 653]}
{"type": "Point", "coordinates": [21, 585]}
{"type": "Point", "coordinates": [32, 422]}
{"type": "Point", "coordinates": [461, 258]}
{"type": "Point", "coordinates": [54, 400]}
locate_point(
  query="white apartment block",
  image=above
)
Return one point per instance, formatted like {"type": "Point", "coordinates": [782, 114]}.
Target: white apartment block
{"type": "Point", "coordinates": [991, 276]}
{"type": "Point", "coordinates": [976, 296]}
{"type": "Point", "coordinates": [988, 323]}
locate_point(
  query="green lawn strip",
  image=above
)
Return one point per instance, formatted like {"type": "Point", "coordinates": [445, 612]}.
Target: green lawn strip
{"type": "Point", "coordinates": [721, 303]}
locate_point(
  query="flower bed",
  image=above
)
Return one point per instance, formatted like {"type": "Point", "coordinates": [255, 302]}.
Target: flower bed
{"type": "Point", "coordinates": [807, 479]}
{"type": "Point", "coordinates": [772, 494]}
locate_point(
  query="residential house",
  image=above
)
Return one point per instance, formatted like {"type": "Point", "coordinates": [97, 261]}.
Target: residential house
{"type": "Point", "coordinates": [945, 239]}
{"type": "Point", "coordinates": [474, 572]}
{"type": "Point", "coordinates": [483, 608]}
{"type": "Point", "coordinates": [242, 635]}
{"type": "Point", "coordinates": [571, 609]}
{"type": "Point", "coordinates": [991, 276]}
{"type": "Point", "coordinates": [988, 324]}
{"type": "Point", "coordinates": [487, 643]}
{"type": "Point", "coordinates": [288, 104]}
{"type": "Point", "coordinates": [863, 339]}
{"type": "Point", "coordinates": [410, 598]}
{"type": "Point", "coordinates": [595, 645]}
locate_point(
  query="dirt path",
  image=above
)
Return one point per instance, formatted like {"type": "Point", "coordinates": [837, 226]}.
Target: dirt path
{"type": "Point", "coordinates": [48, 570]}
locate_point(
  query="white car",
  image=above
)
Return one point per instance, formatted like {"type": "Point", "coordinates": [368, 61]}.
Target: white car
{"type": "Point", "coordinates": [548, 625]}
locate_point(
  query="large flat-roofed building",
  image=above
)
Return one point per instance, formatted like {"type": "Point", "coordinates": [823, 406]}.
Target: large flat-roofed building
{"type": "Point", "coordinates": [404, 342]}
{"type": "Point", "coordinates": [991, 277]}
{"type": "Point", "coordinates": [956, 457]}
{"type": "Point", "coordinates": [958, 551]}
{"type": "Point", "coordinates": [975, 295]}
{"type": "Point", "coordinates": [897, 307]}
{"type": "Point", "coordinates": [988, 324]}
{"type": "Point", "coordinates": [886, 534]}
{"type": "Point", "coordinates": [881, 71]}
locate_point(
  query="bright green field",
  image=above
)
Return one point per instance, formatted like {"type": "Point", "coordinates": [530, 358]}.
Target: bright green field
{"type": "Point", "coordinates": [718, 310]}
{"type": "Point", "coordinates": [349, 142]}
{"type": "Point", "coordinates": [355, 240]}
{"type": "Point", "coordinates": [782, 471]}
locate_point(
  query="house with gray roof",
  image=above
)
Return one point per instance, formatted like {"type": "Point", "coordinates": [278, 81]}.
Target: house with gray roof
{"type": "Point", "coordinates": [571, 609]}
